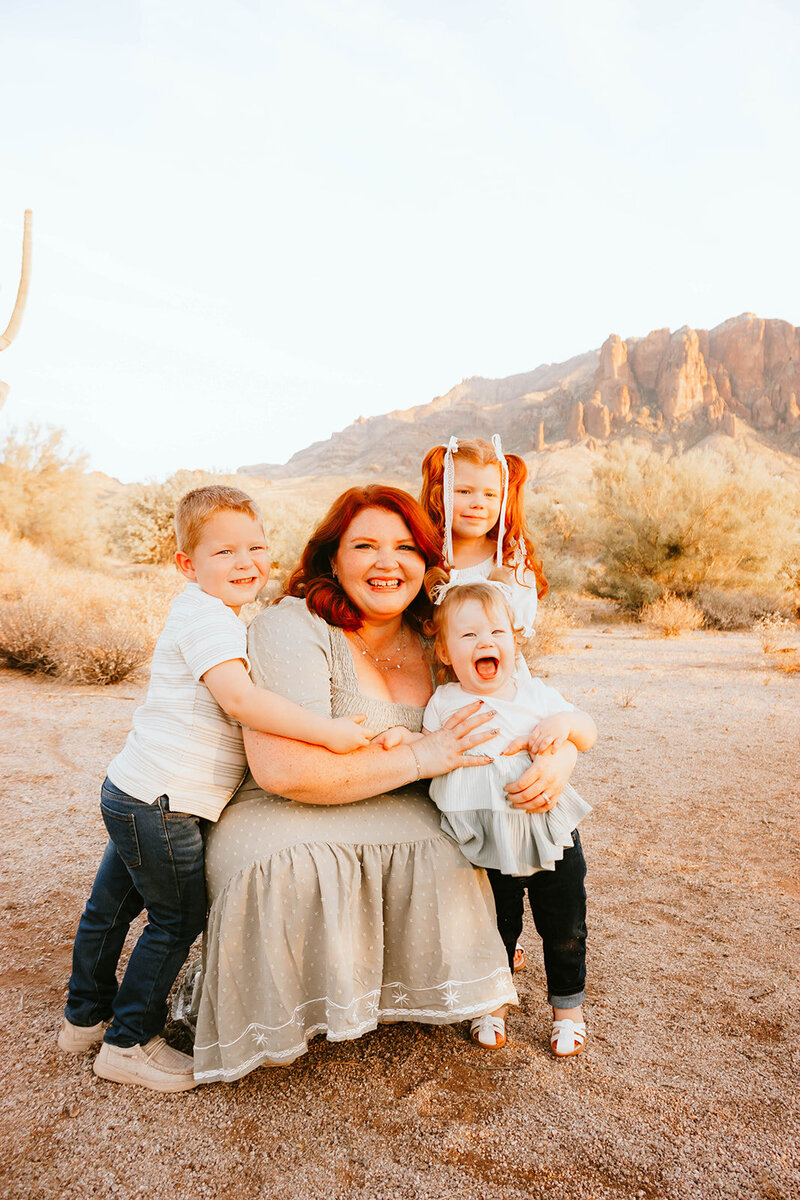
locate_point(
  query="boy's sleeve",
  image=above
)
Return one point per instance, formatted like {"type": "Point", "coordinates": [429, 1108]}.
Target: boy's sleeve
{"type": "Point", "coordinates": [210, 637]}
{"type": "Point", "coordinates": [290, 649]}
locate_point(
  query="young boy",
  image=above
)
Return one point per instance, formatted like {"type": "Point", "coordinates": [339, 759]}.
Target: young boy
{"type": "Point", "coordinates": [182, 761]}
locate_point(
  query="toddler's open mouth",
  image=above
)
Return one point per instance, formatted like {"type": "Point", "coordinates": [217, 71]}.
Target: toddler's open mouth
{"type": "Point", "coordinates": [487, 667]}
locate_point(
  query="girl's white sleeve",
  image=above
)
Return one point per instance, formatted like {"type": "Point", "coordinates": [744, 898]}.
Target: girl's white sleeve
{"type": "Point", "coordinates": [432, 717]}
{"type": "Point", "coordinates": [524, 600]}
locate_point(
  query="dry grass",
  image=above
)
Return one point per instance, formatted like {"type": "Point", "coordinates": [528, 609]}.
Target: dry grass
{"type": "Point", "coordinates": [100, 654]}
{"type": "Point", "coordinates": [729, 610]}
{"type": "Point", "coordinates": [553, 623]}
{"type": "Point", "coordinates": [91, 626]}
{"type": "Point", "coordinates": [672, 616]}
{"type": "Point", "coordinates": [779, 641]}
{"type": "Point", "coordinates": [29, 631]}
{"type": "Point", "coordinates": [778, 634]}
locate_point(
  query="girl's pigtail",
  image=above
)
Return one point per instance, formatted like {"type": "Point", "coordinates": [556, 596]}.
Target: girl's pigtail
{"type": "Point", "coordinates": [432, 493]}
{"type": "Point", "coordinates": [519, 545]}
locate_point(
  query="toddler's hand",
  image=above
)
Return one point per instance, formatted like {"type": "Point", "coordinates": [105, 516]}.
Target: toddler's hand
{"type": "Point", "coordinates": [396, 735]}
{"type": "Point", "coordinates": [345, 735]}
{"type": "Point", "coordinates": [550, 734]}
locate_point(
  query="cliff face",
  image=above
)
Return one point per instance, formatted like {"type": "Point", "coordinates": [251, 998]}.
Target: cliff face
{"type": "Point", "coordinates": [682, 384]}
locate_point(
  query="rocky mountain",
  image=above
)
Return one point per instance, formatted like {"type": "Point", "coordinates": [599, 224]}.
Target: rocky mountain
{"type": "Point", "coordinates": [739, 380]}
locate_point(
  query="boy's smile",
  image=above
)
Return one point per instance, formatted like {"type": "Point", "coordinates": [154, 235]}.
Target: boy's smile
{"type": "Point", "coordinates": [230, 561]}
{"type": "Point", "coordinates": [479, 646]}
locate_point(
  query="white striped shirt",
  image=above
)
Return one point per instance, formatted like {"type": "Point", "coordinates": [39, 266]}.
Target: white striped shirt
{"type": "Point", "coordinates": [182, 744]}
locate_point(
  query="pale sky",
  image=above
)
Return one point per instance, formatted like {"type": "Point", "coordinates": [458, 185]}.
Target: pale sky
{"type": "Point", "coordinates": [254, 222]}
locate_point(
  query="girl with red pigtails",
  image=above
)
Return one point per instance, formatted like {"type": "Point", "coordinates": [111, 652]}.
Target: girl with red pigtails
{"type": "Point", "coordinates": [474, 493]}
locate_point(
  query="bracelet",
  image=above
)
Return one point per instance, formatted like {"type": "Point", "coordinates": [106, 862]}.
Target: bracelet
{"type": "Point", "coordinates": [416, 760]}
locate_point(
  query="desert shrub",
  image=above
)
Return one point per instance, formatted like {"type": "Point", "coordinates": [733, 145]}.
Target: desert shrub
{"type": "Point", "coordinates": [559, 525]}
{"type": "Point", "coordinates": [728, 610]}
{"type": "Point", "coordinates": [46, 496]}
{"type": "Point", "coordinates": [553, 623]}
{"type": "Point", "coordinates": [674, 524]}
{"type": "Point", "coordinates": [29, 633]}
{"type": "Point", "coordinates": [90, 652]}
{"type": "Point", "coordinates": [89, 626]}
{"type": "Point", "coordinates": [777, 633]}
{"type": "Point", "coordinates": [141, 525]}
{"type": "Point", "coordinates": [671, 615]}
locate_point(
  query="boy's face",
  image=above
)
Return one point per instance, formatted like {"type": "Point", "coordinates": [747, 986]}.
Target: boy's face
{"type": "Point", "coordinates": [478, 644]}
{"type": "Point", "coordinates": [230, 561]}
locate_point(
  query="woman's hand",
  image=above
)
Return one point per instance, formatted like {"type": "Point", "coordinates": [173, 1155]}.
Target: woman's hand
{"type": "Point", "coordinates": [538, 788]}
{"type": "Point", "coordinates": [443, 751]}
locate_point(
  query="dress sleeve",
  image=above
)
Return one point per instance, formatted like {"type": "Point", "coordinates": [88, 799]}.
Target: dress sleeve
{"type": "Point", "coordinates": [524, 600]}
{"type": "Point", "coordinates": [290, 654]}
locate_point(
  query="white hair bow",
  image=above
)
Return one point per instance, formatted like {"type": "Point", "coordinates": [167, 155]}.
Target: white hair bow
{"type": "Point", "coordinates": [439, 592]}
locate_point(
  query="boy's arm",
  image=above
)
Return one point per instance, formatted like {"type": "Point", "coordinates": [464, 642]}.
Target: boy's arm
{"type": "Point", "coordinates": [571, 726]}
{"type": "Point", "coordinates": [237, 695]}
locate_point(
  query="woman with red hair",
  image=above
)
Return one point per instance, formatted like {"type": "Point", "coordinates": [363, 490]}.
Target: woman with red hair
{"type": "Point", "coordinates": [337, 902]}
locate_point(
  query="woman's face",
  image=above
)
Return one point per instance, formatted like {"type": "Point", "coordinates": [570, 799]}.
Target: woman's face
{"type": "Point", "coordinates": [378, 564]}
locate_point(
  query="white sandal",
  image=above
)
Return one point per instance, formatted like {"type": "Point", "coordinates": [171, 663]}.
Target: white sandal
{"type": "Point", "coordinates": [567, 1038]}
{"type": "Point", "coordinates": [488, 1032]}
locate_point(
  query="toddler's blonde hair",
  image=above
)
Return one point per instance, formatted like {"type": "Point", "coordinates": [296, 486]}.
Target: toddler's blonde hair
{"type": "Point", "coordinates": [489, 597]}
{"type": "Point", "coordinates": [197, 507]}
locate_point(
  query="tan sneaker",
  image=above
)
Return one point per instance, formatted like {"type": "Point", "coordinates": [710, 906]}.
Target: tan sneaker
{"type": "Point", "coordinates": [77, 1038]}
{"type": "Point", "coordinates": [154, 1065]}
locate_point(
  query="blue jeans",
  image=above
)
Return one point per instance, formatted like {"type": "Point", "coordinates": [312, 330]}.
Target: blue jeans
{"type": "Point", "coordinates": [154, 860]}
{"type": "Point", "coordinates": [558, 903]}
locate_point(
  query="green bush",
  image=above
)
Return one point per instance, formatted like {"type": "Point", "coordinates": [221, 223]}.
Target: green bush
{"type": "Point", "coordinates": [142, 528]}
{"type": "Point", "coordinates": [668, 524]}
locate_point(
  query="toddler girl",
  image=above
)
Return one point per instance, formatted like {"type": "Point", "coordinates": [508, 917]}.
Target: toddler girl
{"type": "Point", "coordinates": [522, 850]}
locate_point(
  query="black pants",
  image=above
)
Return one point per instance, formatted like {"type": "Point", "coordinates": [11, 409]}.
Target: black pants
{"type": "Point", "coordinates": [558, 903]}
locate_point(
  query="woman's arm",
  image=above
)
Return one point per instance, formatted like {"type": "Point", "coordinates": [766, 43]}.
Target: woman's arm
{"type": "Point", "coordinates": [313, 775]}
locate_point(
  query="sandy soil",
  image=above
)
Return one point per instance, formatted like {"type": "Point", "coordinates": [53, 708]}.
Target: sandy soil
{"type": "Point", "coordinates": [688, 1086]}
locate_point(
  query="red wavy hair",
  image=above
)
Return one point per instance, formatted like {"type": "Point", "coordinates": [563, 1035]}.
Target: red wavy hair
{"type": "Point", "coordinates": [482, 454]}
{"type": "Point", "coordinates": [313, 579]}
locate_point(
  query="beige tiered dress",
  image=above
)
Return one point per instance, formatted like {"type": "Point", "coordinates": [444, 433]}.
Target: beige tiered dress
{"type": "Point", "coordinates": [332, 919]}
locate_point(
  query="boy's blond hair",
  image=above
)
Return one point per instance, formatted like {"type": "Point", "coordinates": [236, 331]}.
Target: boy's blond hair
{"type": "Point", "coordinates": [196, 508]}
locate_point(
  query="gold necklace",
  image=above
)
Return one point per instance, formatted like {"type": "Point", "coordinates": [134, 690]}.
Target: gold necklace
{"type": "Point", "coordinates": [379, 662]}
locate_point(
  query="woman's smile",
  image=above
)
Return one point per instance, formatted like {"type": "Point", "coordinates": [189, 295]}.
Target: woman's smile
{"type": "Point", "coordinates": [378, 564]}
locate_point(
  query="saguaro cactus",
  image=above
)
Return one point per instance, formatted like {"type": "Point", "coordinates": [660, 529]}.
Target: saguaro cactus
{"type": "Point", "coordinates": [12, 329]}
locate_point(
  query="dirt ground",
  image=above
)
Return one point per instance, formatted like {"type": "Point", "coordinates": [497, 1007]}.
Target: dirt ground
{"type": "Point", "coordinates": [689, 1083]}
